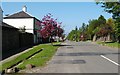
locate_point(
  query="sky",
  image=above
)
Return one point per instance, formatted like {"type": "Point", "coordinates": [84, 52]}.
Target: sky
{"type": "Point", "coordinates": [71, 14]}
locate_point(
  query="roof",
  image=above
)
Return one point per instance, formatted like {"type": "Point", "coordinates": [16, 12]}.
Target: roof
{"type": "Point", "coordinates": [8, 26]}
{"type": "Point", "coordinates": [20, 14]}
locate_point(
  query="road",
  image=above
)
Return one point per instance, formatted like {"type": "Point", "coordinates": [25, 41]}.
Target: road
{"type": "Point", "coordinates": [82, 57]}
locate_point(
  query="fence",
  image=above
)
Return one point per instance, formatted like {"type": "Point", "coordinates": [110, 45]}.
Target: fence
{"type": "Point", "coordinates": [25, 39]}
{"type": "Point", "coordinates": [13, 41]}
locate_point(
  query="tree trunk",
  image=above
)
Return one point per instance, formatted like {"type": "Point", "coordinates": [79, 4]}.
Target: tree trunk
{"type": "Point", "coordinates": [94, 38]}
{"type": "Point", "coordinates": [109, 37]}
{"type": "Point", "coordinates": [119, 39]}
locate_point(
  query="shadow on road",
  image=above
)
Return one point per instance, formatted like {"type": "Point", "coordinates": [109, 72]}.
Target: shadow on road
{"type": "Point", "coordinates": [62, 45]}
{"type": "Point", "coordinates": [68, 62]}
{"type": "Point", "coordinates": [84, 54]}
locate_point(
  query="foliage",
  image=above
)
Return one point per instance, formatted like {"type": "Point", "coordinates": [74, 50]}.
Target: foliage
{"type": "Point", "coordinates": [101, 20]}
{"type": "Point", "coordinates": [50, 27]}
{"type": "Point", "coordinates": [22, 29]}
{"type": "Point", "coordinates": [75, 35]}
{"type": "Point", "coordinates": [102, 27]}
{"type": "Point", "coordinates": [91, 28]}
{"type": "Point", "coordinates": [110, 44]}
{"type": "Point", "coordinates": [99, 27]}
{"type": "Point", "coordinates": [83, 27]}
{"type": "Point", "coordinates": [71, 35]}
{"type": "Point", "coordinates": [111, 23]}
{"type": "Point", "coordinates": [114, 9]}
{"type": "Point", "coordinates": [104, 31]}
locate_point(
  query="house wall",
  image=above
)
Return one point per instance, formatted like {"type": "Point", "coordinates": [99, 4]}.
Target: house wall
{"type": "Point", "coordinates": [37, 27]}
{"type": "Point", "coordinates": [32, 25]}
{"type": "Point", "coordinates": [21, 22]}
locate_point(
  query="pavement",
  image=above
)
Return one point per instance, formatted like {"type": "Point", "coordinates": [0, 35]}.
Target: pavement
{"type": "Point", "coordinates": [81, 57]}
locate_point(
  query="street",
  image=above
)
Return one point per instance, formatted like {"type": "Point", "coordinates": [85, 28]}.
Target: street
{"type": "Point", "coordinates": [82, 57]}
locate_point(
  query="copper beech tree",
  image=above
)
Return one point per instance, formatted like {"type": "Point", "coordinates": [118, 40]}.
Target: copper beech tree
{"type": "Point", "coordinates": [50, 27]}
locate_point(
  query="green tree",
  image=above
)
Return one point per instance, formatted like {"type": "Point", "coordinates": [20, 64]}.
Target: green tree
{"type": "Point", "coordinates": [114, 9]}
{"type": "Point", "coordinates": [91, 27]}
{"type": "Point", "coordinates": [83, 27]}
{"type": "Point", "coordinates": [94, 26]}
{"type": "Point", "coordinates": [101, 21]}
{"type": "Point", "coordinates": [71, 35]}
{"type": "Point", "coordinates": [111, 23]}
{"type": "Point", "coordinates": [76, 36]}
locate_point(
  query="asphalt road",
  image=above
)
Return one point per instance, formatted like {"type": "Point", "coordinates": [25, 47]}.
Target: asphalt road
{"type": "Point", "coordinates": [82, 57]}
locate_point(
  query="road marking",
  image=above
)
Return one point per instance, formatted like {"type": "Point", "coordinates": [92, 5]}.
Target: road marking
{"type": "Point", "coordinates": [110, 60]}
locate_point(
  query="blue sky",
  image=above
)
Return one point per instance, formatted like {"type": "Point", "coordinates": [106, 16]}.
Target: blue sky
{"type": "Point", "coordinates": [71, 14]}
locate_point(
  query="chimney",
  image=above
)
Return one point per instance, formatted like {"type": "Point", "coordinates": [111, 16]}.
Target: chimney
{"type": "Point", "coordinates": [1, 14]}
{"type": "Point", "coordinates": [24, 8]}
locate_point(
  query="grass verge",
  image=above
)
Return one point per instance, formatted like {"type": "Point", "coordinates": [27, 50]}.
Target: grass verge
{"type": "Point", "coordinates": [110, 44]}
{"type": "Point", "coordinates": [39, 59]}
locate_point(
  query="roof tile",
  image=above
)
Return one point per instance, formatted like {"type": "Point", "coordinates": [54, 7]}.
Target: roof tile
{"type": "Point", "coordinates": [20, 14]}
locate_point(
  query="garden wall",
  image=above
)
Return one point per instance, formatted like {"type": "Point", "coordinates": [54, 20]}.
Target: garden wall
{"type": "Point", "coordinates": [13, 41]}
{"type": "Point", "coordinates": [25, 39]}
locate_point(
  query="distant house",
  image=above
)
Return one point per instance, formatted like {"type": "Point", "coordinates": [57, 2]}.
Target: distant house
{"type": "Point", "coordinates": [23, 19]}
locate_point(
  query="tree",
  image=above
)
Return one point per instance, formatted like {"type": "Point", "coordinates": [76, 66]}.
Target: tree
{"type": "Point", "coordinates": [71, 35]}
{"type": "Point", "coordinates": [101, 21]}
{"type": "Point", "coordinates": [50, 27]}
{"type": "Point", "coordinates": [76, 36]}
{"type": "Point", "coordinates": [111, 23]}
{"type": "Point", "coordinates": [91, 27]}
{"type": "Point", "coordinates": [83, 32]}
{"type": "Point", "coordinates": [114, 9]}
{"type": "Point", "coordinates": [83, 27]}
{"type": "Point", "coordinates": [22, 29]}
{"type": "Point", "coordinates": [104, 31]}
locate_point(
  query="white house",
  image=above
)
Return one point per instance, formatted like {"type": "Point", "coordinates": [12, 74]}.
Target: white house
{"type": "Point", "coordinates": [23, 19]}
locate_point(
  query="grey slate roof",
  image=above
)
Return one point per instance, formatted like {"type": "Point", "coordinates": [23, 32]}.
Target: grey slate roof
{"type": "Point", "coordinates": [20, 14]}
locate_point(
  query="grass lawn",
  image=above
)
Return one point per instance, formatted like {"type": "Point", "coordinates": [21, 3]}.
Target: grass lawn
{"type": "Point", "coordinates": [110, 44]}
{"type": "Point", "coordinates": [39, 58]}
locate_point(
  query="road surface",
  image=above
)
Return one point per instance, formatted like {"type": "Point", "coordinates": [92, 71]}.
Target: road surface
{"type": "Point", "coordinates": [82, 57]}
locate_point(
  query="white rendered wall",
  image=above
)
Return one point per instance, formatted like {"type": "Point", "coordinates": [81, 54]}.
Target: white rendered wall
{"type": "Point", "coordinates": [27, 22]}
